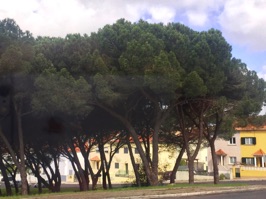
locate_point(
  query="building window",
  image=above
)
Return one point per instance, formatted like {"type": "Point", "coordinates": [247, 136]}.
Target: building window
{"type": "Point", "coordinates": [117, 151]}
{"type": "Point", "coordinates": [136, 151]}
{"type": "Point", "coordinates": [126, 168]}
{"type": "Point", "coordinates": [125, 150]}
{"type": "Point", "coordinates": [248, 161]}
{"type": "Point", "coordinates": [232, 141]}
{"type": "Point", "coordinates": [116, 165]}
{"type": "Point", "coordinates": [105, 149]}
{"type": "Point", "coordinates": [232, 160]}
{"type": "Point", "coordinates": [248, 141]}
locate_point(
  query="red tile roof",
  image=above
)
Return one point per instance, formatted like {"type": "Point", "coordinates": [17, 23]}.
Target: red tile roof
{"type": "Point", "coordinates": [220, 152]}
{"type": "Point", "coordinates": [259, 153]}
{"type": "Point", "coordinates": [95, 158]}
{"type": "Point", "coordinates": [251, 128]}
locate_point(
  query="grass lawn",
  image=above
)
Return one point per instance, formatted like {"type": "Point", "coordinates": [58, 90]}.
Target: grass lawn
{"type": "Point", "coordinates": [115, 192]}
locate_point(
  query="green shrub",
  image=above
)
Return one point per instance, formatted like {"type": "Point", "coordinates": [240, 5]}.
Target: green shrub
{"type": "Point", "coordinates": [222, 177]}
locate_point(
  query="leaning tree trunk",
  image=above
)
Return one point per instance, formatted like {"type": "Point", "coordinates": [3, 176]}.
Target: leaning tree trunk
{"type": "Point", "coordinates": [132, 158]}
{"type": "Point", "coordinates": [177, 163]}
{"type": "Point", "coordinates": [214, 163]}
{"type": "Point", "coordinates": [57, 176]}
{"type": "Point", "coordinates": [103, 165]}
{"type": "Point", "coordinates": [110, 186]}
{"type": "Point", "coordinates": [5, 176]}
{"type": "Point", "coordinates": [82, 179]}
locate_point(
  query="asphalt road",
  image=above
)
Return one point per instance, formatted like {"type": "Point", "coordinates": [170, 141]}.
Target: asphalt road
{"type": "Point", "coordinates": [258, 194]}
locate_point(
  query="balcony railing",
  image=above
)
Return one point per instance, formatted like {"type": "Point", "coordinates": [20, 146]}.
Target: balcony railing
{"type": "Point", "coordinates": [121, 173]}
{"type": "Point", "coordinates": [253, 168]}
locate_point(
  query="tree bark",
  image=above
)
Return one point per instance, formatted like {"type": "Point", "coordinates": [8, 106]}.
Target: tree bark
{"type": "Point", "coordinates": [83, 183]}
{"type": "Point", "coordinates": [177, 163]}
{"type": "Point", "coordinates": [103, 163]}
{"type": "Point", "coordinates": [5, 176]}
{"type": "Point", "coordinates": [132, 158]}
{"type": "Point", "coordinates": [191, 171]}
{"type": "Point", "coordinates": [57, 176]}
{"type": "Point", "coordinates": [22, 166]}
{"type": "Point", "coordinates": [19, 165]}
{"type": "Point", "coordinates": [211, 137]}
{"type": "Point", "coordinates": [214, 162]}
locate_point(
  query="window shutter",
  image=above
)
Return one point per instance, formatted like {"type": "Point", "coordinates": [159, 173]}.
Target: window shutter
{"type": "Point", "coordinates": [244, 160]}
{"type": "Point", "coordinates": [242, 141]}
{"type": "Point", "coordinates": [254, 141]}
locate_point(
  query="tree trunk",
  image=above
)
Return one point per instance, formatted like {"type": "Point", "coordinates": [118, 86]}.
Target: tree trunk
{"type": "Point", "coordinates": [85, 154]}
{"type": "Point", "coordinates": [39, 185]}
{"type": "Point", "coordinates": [177, 163]}
{"type": "Point", "coordinates": [110, 186]}
{"type": "Point", "coordinates": [57, 176]}
{"type": "Point", "coordinates": [83, 182]}
{"type": "Point", "coordinates": [188, 135]}
{"type": "Point", "coordinates": [76, 172]}
{"type": "Point", "coordinates": [132, 158]}
{"type": "Point", "coordinates": [104, 179]}
{"type": "Point", "coordinates": [211, 137]}
{"type": "Point", "coordinates": [155, 149]}
{"type": "Point", "coordinates": [94, 177]}
{"type": "Point", "coordinates": [191, 171]}
{"type": "Point", "coordinates": [103, 164]}
{"type": "Point", "coordinates": [94, 180]}
{"type": "Point", "coordinates": [14, 181]}
{"type": "Point", "coordinates": [34, 167]}
{"type": "Point", "coordinates": [83, 185]}
{"type": "Point", "coordinates": [5, 176]}
{"type": "Point", "coordinates": [214, 163]}
{"type": "Point", "coordinates": [22, 166]}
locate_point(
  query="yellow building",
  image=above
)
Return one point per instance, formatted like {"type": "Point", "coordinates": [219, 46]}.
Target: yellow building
{"type": "Point", "coordinates": [253, 151]}
{"type": "Point", "coordinates": [121, 169]}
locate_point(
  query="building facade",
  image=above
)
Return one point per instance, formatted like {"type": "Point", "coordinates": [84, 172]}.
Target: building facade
{"type": "Point", "coordinates": [253, 151]}
{"type": "Point", "coordinates": [228, 154]}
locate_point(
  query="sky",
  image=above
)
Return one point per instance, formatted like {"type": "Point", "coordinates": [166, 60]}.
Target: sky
{"type": "Point", "coordinates": [242, 22]}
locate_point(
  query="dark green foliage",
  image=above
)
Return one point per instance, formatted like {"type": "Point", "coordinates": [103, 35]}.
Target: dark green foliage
{"type": "Point", "coordinates": [59, 91]}
{"type": "Point", "coordinates": [193, 86]}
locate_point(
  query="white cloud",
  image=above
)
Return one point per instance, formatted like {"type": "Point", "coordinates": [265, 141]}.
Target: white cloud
{"type": "Point", "coordinates": [161, 14]}
{"type": "Point", "coordinates": [197, 18]}
{"type": "Point", "coordinates": [262, 73]}
{"type": "Point", "coordinates": [244, 22]}
{"type": "Point", "coordinates": [58, 17]}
